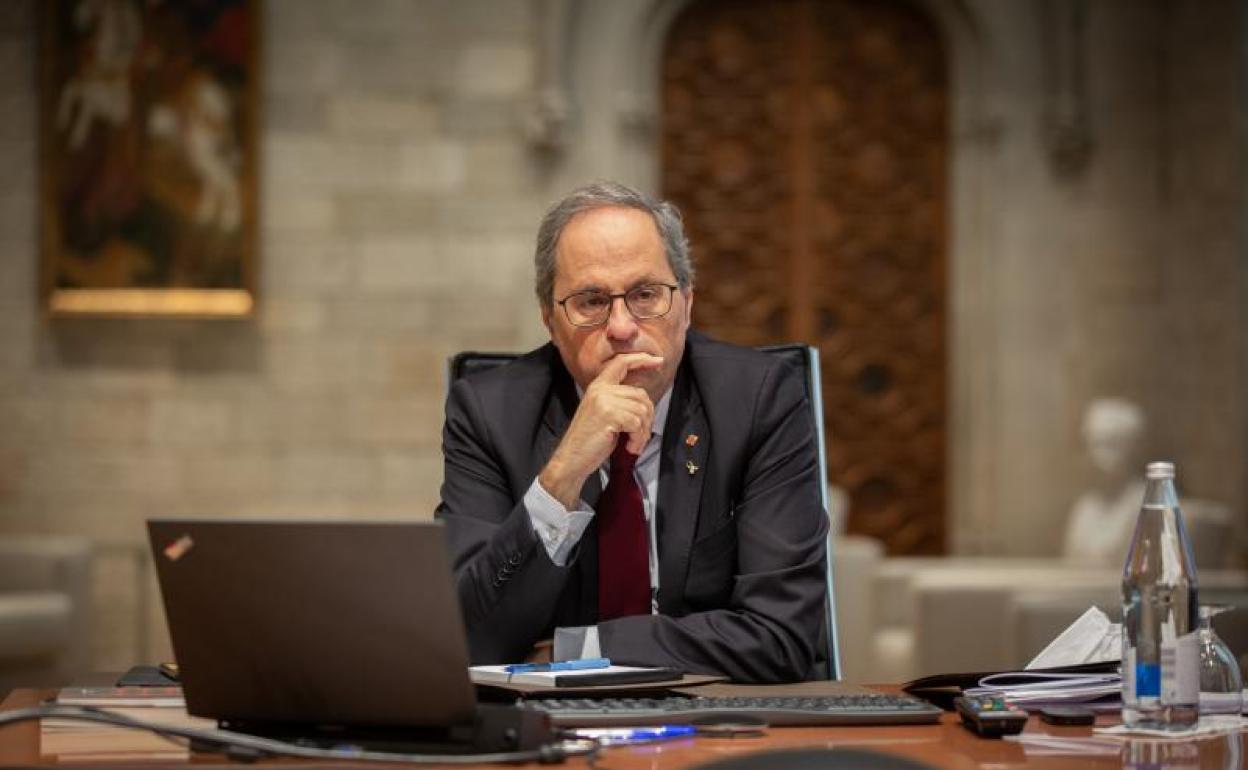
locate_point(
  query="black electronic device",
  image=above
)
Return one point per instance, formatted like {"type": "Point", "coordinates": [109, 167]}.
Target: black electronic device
{"type": "Point", "coordinates": [315, 622]}
{"type": "Point", "coordinates": [1067, 715]}
{"type": "Point", "coordinates": [990, 717]}
{"type": "Point", "coordinates": [324, 633]}
{"type": "Point", "coordinates": [496, 728]}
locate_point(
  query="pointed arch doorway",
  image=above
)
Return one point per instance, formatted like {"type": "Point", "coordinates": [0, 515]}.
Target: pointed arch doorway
{"type": "Point", "coordinates": [805, 141]}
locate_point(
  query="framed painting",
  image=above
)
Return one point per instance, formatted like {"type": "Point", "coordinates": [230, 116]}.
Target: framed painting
{"type": "Point", "coordinates": [148, 157]}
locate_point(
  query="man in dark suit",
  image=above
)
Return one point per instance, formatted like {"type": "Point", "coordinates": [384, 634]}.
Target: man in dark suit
{"type": "Point", "coordinates": [634, 488]}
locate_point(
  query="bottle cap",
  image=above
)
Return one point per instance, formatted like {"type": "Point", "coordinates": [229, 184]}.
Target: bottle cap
{"type": "Point", "coordinates": [1159, 470]}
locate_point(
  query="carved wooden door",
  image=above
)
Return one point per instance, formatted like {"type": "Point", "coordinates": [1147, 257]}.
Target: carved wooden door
{"type": "Point", "coordinates": [805, 142]}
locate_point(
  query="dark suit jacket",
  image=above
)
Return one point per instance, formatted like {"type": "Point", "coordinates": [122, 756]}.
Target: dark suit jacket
{"type": "Point", "coordinates": [741, 541]}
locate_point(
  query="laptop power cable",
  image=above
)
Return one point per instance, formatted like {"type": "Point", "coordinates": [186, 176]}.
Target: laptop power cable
{"type": "Point", "coordinates": [248, 748]}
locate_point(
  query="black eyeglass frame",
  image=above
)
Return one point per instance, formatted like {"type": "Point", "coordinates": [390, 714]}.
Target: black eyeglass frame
{"type": "Point", "coordinates": [611, 298]}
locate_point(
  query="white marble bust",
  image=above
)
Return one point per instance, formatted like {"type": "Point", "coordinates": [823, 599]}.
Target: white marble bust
{"type": "Point", "coordinates": [1098, 532]}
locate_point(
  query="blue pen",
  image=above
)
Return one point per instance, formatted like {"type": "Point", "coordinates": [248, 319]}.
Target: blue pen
{"type": "Point", "coordinates": [634, 734]}
{"type": "Point", "coordinates": [560, 665]}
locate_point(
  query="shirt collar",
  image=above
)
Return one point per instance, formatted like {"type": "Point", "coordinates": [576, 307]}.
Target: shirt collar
{"type": "Point", "coordinates": [660, 413]}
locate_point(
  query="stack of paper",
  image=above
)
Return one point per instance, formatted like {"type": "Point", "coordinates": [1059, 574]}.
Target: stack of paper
{"type": "Point", "coordinates": [1080, 667]}
{"type": "Point", "coordinates": [1035, 689]}
{"type": "Point", "coordinates": [1090, 639]}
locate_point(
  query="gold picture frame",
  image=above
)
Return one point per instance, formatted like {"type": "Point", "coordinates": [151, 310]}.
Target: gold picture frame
{"type": "Point", "coordinates": [148, 162]}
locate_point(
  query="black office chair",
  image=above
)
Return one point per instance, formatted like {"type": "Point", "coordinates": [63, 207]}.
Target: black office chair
{"type": "Point", "coordinates": [805, 359]}
{"type": "Point", "coordinates": [469, 362]}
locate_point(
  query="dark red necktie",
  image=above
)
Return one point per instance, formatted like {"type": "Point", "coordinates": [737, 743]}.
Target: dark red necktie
{"type": "Point", "coordinates": [623, 555]}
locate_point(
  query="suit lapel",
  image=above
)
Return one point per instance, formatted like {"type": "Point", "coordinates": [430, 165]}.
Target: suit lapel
{"type": "Point", "coordinates": [682, 469]}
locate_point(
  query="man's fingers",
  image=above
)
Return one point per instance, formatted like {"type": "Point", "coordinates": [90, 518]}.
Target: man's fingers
{"type": "Point", "coordinates": [636, 420]}
{"type": "Point", "coordinates": [627, 416]}
{"type": "Point", "coordinates": [618, 368]}
{"type": "Point", "coordinates": [635, 400]}
{"type": "Point", "coordinates": [638, 430]}
{"type": "Point", "coordinates": [637, 441]}
{"type": "Point", "coordinates": [607, 410]}
{"type": "Point", "coordinates": [623, 414]}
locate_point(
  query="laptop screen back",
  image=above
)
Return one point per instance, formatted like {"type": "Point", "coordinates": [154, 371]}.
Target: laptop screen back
{"type": "Point", "coordinates": [326, 622]}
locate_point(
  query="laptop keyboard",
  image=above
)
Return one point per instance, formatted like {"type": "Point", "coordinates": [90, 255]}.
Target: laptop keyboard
{"type": "Point", "coordinates": [873, 709]}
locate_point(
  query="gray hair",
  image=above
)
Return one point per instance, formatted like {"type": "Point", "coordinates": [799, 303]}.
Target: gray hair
{"type": "Point", "coordinates": [599, 195]}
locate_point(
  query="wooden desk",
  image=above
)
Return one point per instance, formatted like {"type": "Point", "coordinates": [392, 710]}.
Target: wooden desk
{"type": "Point", "coordinates": [946, 745]}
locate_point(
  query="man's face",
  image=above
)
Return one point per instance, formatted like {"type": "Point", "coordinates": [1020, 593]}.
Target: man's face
{"type": "Point", "coordinates": [616, 249]}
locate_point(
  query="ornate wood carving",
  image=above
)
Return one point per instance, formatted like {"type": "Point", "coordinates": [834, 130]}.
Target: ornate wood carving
{"type": "Point", "coordinates": [805, 142]}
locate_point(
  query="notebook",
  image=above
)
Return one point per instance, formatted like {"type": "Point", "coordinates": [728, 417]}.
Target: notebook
{"type": "Point", "coordinates": [590, 677]}
{"type": "Point", "coordinates": [314, 622]}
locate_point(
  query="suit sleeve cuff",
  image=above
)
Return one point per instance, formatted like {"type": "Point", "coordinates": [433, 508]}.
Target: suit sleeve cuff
{"type": "Point", "coordinates": [558, 528]}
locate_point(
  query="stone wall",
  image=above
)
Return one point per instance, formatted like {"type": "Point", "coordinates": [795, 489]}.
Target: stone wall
{"type": "Point", "coordinates": [399, 201]}
{"type": "Point", "coordinates": [1127, 278]}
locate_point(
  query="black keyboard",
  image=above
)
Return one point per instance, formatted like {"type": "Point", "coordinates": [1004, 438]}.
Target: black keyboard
{"type": "Point", "coordinates": [873, 709]}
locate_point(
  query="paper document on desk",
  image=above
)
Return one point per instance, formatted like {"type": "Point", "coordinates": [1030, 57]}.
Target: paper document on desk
{"type": "Point", "coordinates": [1090, 639]}
{"type": "Point", "coordinates": [1079, 666]}
{"type": "Point", "coordinates": [1035, 688]}
{"type": "Point", "coordinates": [1093, 638]}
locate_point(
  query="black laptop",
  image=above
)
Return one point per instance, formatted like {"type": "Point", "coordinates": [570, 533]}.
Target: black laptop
{"type": "Point", "coordinates": [314, 622]}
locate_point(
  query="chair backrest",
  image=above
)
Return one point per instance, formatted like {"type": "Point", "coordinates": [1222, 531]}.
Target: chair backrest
{"type": "Point", "coordinates": [803, 358]}
{"type": "Point", "coordinates": [469, 362]}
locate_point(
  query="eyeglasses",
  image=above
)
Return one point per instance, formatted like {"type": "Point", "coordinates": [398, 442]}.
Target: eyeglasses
{"type": "Point", "coordinates": [593, 308]}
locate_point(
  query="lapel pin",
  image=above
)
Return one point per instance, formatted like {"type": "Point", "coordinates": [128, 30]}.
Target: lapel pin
{"type": "Point", "coordinates": [691, 440]}
{"type": "Point", "coordinates": [689, 466]}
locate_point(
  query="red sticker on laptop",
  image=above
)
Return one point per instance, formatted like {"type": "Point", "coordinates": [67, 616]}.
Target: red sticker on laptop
{"type": "Point", "coordinates": [178, 548]}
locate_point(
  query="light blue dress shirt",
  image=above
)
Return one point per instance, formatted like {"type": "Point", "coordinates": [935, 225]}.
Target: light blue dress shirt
{"type": "Point", "coordinates": [560, 529]}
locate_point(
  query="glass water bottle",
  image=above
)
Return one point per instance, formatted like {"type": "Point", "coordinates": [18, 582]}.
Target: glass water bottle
{"type": "Point", "coordinates": [1160, 649]}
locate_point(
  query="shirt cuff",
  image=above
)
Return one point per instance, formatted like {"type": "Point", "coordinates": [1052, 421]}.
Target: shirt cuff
{"type": "Point", "coordinates": [558, 528]}
{"type": "Point", "coordinates": [576, 642]}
